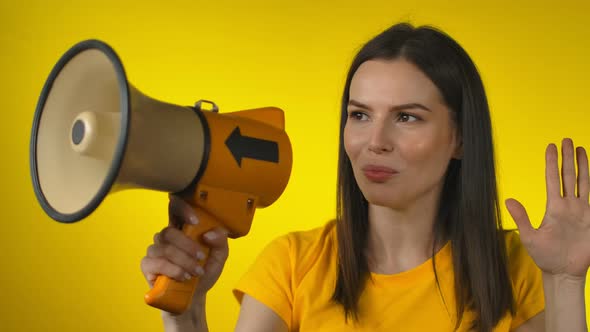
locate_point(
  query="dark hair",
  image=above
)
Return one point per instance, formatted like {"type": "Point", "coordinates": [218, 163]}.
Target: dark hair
{"type": "Point", "coordinates": [468, 213]}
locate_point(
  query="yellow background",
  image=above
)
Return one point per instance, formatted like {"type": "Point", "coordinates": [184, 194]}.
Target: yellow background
{"type": "Point", "coordinates": [533, 57]}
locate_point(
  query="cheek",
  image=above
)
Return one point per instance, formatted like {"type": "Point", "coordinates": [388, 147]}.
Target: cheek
{"type": "Point", "coordinates": [352, 143]}
{"type": "Point", "coordinates": [415, 153]}
{"type": "Point", "coordinates": [427, 151]}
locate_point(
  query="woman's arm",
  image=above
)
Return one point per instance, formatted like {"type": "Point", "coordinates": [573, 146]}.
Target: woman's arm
{"type": "Point", "coordinates": [564, 303]}
{"type": "Point", "coordinates": [561, 245]}
{"type": "Point", "coordinates": [195, 321]}
{"type": "Point", "coordinates": [255, 316]}
{"type": "Point", "coordinates": [535, 324]}
{"type": "Point", "coordinates": [564, 307]}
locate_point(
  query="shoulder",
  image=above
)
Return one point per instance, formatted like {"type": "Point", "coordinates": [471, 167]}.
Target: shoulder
{"type": "Point", "coordinates": [526, 278]}
{"type": "Point", "coordinates": [316, 238]}
{"type": "Point", "coordinates": [305, 247]}
{"type": "Point", "coordinates": [518, 257]}
{"type": "Point", "coordinates": [275, 276]}
{"type": "Point", "coordinates": [520, 264]}
{"type": "Point", "coordinates": [294, 253]}
{"type": "Point", "coordinates": [514, 246]}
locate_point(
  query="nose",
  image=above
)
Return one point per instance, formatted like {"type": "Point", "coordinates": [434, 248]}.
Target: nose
{"type": "Point", "coordinates": [380, 139]}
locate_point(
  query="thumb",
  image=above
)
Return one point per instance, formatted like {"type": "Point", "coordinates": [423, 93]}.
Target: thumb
{"type": "Point", "coordinates": [180, 212]}
{"type": "Point", "coordinates": [520, 216]}
{"type": "Point", "coordinates": [219, 249]}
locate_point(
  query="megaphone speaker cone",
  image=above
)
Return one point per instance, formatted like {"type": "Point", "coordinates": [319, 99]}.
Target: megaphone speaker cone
{"type": "Point", "coordinates": [86, 88]}
{"type": "Point", "coordinates": [84, 143]}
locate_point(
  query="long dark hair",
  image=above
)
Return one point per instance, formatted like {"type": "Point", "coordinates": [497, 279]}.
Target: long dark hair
{"type": "Point", "coordinates": [468, 213]}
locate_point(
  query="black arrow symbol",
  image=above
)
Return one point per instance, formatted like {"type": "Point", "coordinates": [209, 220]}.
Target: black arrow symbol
{"type": "Point", "coordinates": [251, 147]}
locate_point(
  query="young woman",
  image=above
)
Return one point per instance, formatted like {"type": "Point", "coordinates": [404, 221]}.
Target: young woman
{"type": "Point", "coordinates": [418, 243]}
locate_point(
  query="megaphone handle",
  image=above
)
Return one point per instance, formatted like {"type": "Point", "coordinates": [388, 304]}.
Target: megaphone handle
{"type": "Point", "coordinates": [175, 296]}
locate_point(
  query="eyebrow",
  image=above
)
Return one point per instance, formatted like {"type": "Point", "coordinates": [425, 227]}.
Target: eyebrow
{"type": "Point", "coordinates": [393, 108]}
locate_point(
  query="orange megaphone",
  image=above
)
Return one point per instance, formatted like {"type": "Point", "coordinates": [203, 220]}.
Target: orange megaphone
{"type": "Point", "coordinates": [95, 134]}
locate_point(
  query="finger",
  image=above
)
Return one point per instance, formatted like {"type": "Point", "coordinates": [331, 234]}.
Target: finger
{"type": "Point", "coordinates": [219, 248]}
{"type": "Point", "coordinates": [180, 212]}
{"type": "Point", "coordinates": [175, 237]}
{"type": "Point", "coordinates": [175, 256]}
{"type": "Point", "coordinates": [583, 177]}
{"type": "Point", "coordinates": [521, 218]}
{"type": "Point", "coordinates": [153, 267]}
{"type": "Point", "coordinates": [216, 237]}
{"type": "Point", "coordinates": [568, 170]}
{"type": "Point", "coordinates": [552, 178]}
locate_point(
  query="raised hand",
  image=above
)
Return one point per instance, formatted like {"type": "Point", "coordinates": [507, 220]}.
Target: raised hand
{"type": "Point", "coordinates": [561, 245]}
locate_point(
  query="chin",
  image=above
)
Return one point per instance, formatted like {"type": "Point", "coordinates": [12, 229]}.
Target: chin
{"type": "Point", "coordinates": [380, 199]}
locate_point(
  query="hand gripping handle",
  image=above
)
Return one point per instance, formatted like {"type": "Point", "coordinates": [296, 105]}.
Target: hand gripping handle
{"type": "Point", "coordinates": [175, 296]}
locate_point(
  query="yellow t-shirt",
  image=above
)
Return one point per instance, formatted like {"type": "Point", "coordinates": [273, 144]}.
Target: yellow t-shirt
{"type": "Point", "coordinates": [295, 276]}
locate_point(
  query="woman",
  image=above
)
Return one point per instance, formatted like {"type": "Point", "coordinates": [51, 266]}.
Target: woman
{"type": "Point", "coordinates": [418, 243]}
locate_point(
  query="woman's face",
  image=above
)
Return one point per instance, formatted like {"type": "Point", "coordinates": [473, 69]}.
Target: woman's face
{"type": "Point", "coordinates": [399, 135]}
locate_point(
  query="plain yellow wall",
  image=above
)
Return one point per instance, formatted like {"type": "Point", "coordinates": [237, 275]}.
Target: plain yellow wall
{"type": "Point", "coordinates": [533, 57]}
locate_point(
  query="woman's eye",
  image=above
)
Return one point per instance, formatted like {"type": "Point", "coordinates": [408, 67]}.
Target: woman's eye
{"type": "Point", "coordinates": [355, 115]}
{"type": "Point", "coordinates": [405, 117]}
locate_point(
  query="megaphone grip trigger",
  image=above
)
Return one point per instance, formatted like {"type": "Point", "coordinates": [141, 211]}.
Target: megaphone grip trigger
{"type": "Point", "coordinates": [175, 296]}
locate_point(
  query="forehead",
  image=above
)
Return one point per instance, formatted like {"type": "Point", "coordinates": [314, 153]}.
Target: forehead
{"type": "Point", "coordinates": [392, 82]}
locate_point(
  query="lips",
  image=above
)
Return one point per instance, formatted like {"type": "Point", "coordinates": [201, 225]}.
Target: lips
{"type": "Point", "coordinates": [378, 173]}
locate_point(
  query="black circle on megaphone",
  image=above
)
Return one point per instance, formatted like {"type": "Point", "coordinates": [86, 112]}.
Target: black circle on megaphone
{"type": "Point", "coordinates": [121, 142]}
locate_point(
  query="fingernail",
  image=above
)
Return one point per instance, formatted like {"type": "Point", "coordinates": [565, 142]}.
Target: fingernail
{"type": "Point", "coordinates": [193, 220]}
{"type": "Point", "coordinates": [200, 255]}
{"type": "Point", "coordinates": [199, 270]}
{"type": "Point", "coordinates": [210, 236]}
{"type": "Point", "coordinates": [187, 276]}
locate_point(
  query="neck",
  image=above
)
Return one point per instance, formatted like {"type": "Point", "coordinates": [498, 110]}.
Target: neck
{"type": "Point", "coordinates": [401, 239]}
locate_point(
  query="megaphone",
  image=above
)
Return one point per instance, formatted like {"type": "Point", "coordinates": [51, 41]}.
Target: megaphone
{"type": "Point", "coordinates": [95, 134]}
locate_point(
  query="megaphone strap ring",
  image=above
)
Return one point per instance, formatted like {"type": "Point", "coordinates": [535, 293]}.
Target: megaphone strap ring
{"type": "Point", "coordinates": [214, 107]}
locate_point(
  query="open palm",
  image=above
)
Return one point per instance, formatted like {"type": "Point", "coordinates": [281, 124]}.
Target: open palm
{"type": "Point", "coordinates": [561, 244]}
